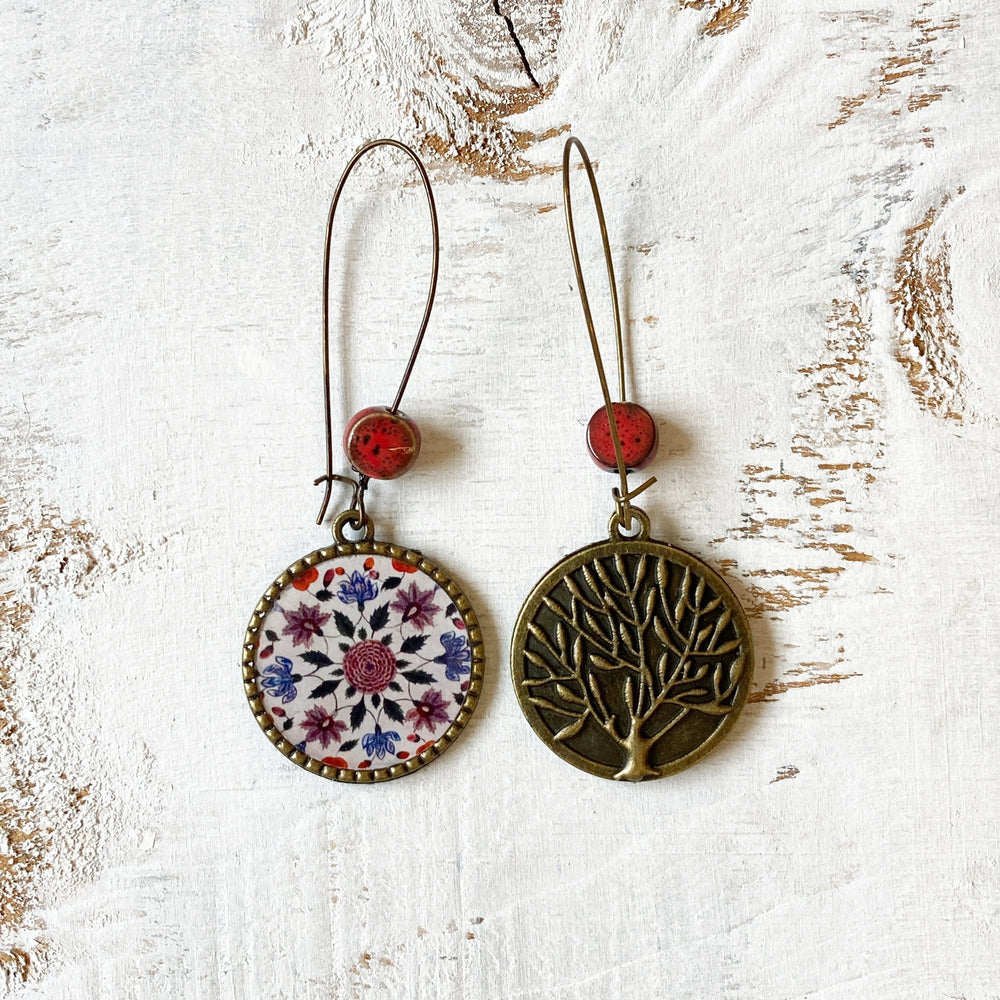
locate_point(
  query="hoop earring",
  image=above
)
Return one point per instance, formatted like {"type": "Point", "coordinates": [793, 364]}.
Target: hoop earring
{"type": "Point", "coordinates": [631, 658]}
{"type": "Point", "coordinates": [363, 661]}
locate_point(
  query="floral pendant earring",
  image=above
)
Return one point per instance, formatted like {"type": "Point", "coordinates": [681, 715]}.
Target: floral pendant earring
{"type": "Point", "coordinates": [363, 661]}
{"type": "Point", "coordinates": [631, 658]}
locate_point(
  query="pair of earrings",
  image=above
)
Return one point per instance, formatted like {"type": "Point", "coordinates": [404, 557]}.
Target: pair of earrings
{"type": "Point", "coordinates": [363, 661]}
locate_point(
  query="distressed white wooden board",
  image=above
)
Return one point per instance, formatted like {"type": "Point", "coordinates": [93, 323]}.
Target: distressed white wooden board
{"type": "Point", "coordinates": [803, 204]}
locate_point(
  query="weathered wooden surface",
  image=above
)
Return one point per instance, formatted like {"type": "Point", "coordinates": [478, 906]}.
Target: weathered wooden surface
{"type": "Point", "coordinates": [803, 204]}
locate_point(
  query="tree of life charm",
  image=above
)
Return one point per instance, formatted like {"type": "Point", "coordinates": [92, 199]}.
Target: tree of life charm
{"type": "Point", "coordinates": [632, 659]}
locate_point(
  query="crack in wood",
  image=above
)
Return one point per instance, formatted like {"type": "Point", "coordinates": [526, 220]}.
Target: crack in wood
{"type": "Point", "coordinates": [451, 93]}
{"type": "Point", "coordinates": [517, 43]}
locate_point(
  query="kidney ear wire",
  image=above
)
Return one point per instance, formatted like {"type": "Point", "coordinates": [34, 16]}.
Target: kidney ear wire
{"type": "Point", "coordinates": [622, 494]}
{"type": "Point", "coordinates": [361, 483]}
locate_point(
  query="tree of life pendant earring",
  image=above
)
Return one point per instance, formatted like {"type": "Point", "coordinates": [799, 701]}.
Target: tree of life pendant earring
{"type": "Point", "coordinates": [363, 661]}
{"type": "Point", "coordinates": [631, 658]}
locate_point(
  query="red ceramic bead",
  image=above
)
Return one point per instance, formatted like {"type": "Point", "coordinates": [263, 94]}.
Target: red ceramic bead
{"type": "Point", "coordinates": [636, 431]}
{"type": "Point", "coordinates": [381, 444]}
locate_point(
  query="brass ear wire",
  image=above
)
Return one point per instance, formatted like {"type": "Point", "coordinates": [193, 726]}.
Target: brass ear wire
{"type": "Point", "coordinates": [624, 511]}
{"type": "Point", "coordinates": [361, 484]}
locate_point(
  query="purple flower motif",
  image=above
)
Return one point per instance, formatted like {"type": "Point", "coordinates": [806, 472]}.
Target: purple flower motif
{"type": "Point", "coordinates": [320, 725]}
{"type": "Point", "coordinates": [456, 657]}
{"type": "Point", "coordinates": [304, 623]}
{"type": "Point", "coordinates": [428, 711]}
{"type": "Point", "coordinates": [279, 681]}
{"type": "Point", "coordinates": [377, 744]}
{"type": "Point", "coordinates": [416, 606]}
{"type": "Point", "coordinates": [358, 589]}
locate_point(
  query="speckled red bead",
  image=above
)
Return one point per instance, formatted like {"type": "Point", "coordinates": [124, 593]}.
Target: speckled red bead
{"type": "Point", "coordinates": [636, 431]}
{"type": "Point", "coordinates": [381, 444]}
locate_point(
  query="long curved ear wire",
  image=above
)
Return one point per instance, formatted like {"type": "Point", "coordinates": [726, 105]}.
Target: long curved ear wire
{"type": "Point", "coordinates": [631, 658]}
{"type": "Point", "coordinates": [343, 715]}
{"type": "Point", "coordinates": [624, 512]}
{"type": "Point", "coordinates": [357, 517]}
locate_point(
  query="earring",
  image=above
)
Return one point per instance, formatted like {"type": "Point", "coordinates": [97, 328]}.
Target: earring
{"type": "Point", "coordinates": [631, 658]}
{"type": "Point", "coordinates": [363, 661]}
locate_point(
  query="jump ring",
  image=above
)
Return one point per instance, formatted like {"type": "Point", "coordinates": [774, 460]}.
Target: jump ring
{"type": "Point", "coordinates": [358, 521]}
{"type": "Point", "coordinates": [615, 526]}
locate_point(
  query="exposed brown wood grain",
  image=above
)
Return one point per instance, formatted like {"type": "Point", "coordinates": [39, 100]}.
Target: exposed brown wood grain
{"type": "Point", "coordinates": [900, 82]}
{"type": "Point", "coordinates": [776, 687]}
{"type": "Point", "coordinates": [43, 802]}
{"type": "Point", "coordinates": [16, 963]}
{"type": "Point", "coordinates": [928, 347]}
{"type": "Point", "coordinates": [814, 494]}
{"type": "Point", "coordinates": [59, 553]}
{"type": "Point", "coordinates": [812, 498]}
{"type": "Point", "coordinates": [839, 412]}
{"type": "Point", "coordinates": [838, 454]}
{"type": "Point", "coordinates": [456, 92]}
{"type": "Point", "coordinates": [725, 14]}
{"type": "Point", "coordinates": [152, 162]}
{"type": "Point", "coordinates": [784, 773]}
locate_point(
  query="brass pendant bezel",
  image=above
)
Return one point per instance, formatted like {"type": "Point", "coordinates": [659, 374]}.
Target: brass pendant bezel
{"type": "Point", "coordinates": [620, 545]}
{"type": "Point", "coordinates": [364, 776]}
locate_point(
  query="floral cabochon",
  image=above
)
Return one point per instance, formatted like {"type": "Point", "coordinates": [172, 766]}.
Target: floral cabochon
{"type": "Point", "coordinates": [363, 662]}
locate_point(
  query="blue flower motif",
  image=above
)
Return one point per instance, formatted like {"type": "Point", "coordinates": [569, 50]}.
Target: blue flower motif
{"type": "Point", "coordinates": [358, 589]}
{"type": "Point", "coordinates": [456, 657]}
{"type": "Point", "coordinates": [377, 744]}
{"type": "Point", "coordinates": [279, 681]}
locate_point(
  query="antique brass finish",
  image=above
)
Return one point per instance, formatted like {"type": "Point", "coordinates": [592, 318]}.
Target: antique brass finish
{"type": "Point", "coordinates": [251, 645]}
{"type": "Point", "coordinates": [631, 658]}
{"type": "Point", "coordinates": [357, 519]}
{"type": "Point", "coordinates": [615, 526]}
{"type": "Point", "coordinates": [369, 663]}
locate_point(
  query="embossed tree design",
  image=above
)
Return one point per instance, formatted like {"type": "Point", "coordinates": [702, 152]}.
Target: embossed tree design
{"type": "Point", "coordinates": [635, 645]}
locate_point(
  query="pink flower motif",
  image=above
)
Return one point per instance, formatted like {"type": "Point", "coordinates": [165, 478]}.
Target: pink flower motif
{"type": "Point", "coordinates": [416, 606]}
{"type": "Point", "coordinates": [304, 623]}
{"type": "Point", "coordinates": [320, 725]}
{"type": "Point", "coordinates": [369, 666]}
{"type": "Point", "coordinates": [428, 711]}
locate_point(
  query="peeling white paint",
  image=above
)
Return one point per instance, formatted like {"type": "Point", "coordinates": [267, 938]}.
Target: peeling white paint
{"type": "Point", "coordinates": [164, 187]}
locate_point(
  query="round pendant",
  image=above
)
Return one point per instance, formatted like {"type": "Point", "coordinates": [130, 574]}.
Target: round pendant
{"type": "Point", "coordinates": [363, 661]}
{"type": "Point", "coordinates": [631, 659]}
